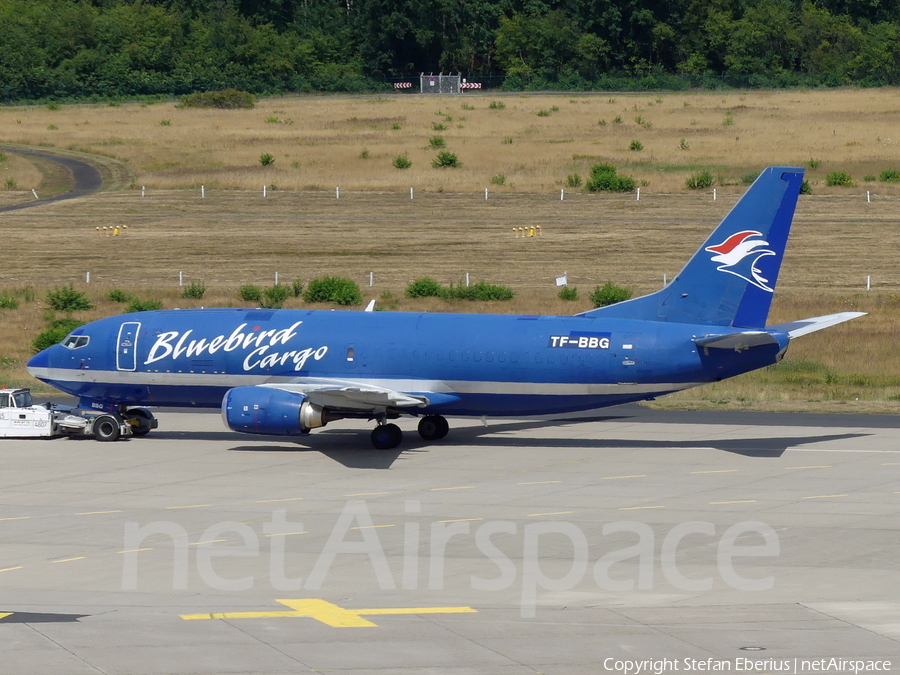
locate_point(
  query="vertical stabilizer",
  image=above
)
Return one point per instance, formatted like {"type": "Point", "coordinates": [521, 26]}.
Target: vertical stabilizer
{"type": "Point", "coordinates": [731, 278]}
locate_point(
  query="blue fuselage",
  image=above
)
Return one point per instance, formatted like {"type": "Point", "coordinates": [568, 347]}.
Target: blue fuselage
{"type": "Point", "coordinates": [465, 364]}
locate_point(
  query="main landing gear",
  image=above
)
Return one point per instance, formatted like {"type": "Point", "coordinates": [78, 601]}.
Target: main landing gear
{"type": "Point", "coordinates": [388, 436]}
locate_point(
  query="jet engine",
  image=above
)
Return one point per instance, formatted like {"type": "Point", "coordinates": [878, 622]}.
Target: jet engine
{"type": "Point", "coordinates": [265, 410]}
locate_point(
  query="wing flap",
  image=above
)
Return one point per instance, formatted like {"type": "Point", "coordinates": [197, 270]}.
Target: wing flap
{"type": "Point", "coordinates": [354, 396]}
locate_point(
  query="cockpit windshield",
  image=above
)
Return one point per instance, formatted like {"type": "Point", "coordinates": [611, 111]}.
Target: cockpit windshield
{"type": "Point", "coordinates": [76, 341]}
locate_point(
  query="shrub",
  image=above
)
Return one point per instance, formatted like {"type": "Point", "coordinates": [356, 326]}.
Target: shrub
{"type": "Point", "coordinates": [143, 306]}
{"type": "Point", "coordinates": [683, 145]}
{"type": "Point", "coordinates": [267, 159]}
{"type": "Point", "coordinates": [364, 154]}
{"type": "Point", "coordinates": [602, 122]}
{"type": "Point", "coordinates": [573, 180]}
{"type": "Point", "coordinates": [437, 142]}
{"type": "Point", "coordinates": [813, 163]}
{"type": "Point", "coordinates": [499, 179]}
{"type": "Point", "coordinates": [446, 159]}
{"type": "Point", "coordinates": [890, 176]}
{"type": "Point", "coordinates": [228, 99]}
{"type": "Point", "coordinates": [543, 112]}
{"type": "Point", "coordinates": [339, 290]}
{"type": "Point", "coordinates": [497, 105]}
{"type": "Point", "coordinates": [11, 184]}
{"type": "Point", "coordinates": [700, 181]}
{"type": "Point", "coordinates": [297, 287]}
{"type": "Point", "coordinates": [250, 293]}
{"type": "Point", "coordinates": [118, 295]}
{"type": "Point", "coordinates": [437, 126]}
{"type": "Point", "coordinates": [274, 296]}
{"type": "Point", "coordinates": [67, 299]}
{"type": "Point", "coordinates": [749, 177]}
{"type": "Point", "coordinates": [609, 294]}
{"type": "Point", "coordinates": [507, 140]}
{"type": "Point", "coordinates": [604, 178]}
{"type": "Point", "coordinates": [8, 301]}
{"type": "Point", "coordinates": [402, 162]}
{"type": "Point", "coordinates": [617, 119]}
{"type": "Point", "coordinates": [195, 290]}
{"type": "Point", "coordinates": [426, 287]}
{"type": "Point", "coordinates": [839, 178]}
{"type": "Point", "coordinates": [805, 188]}
{"type": "Point", "coordinates": [869, 178]}
{"type": "Point", "coordinates": [165, 123]}
{"type": "Point", "coordinates": [481, 290]}
{"type": "Point", "coordinates": [637, 146]}
{"type": "Point", "coordinates": [54, 333]}
{"type": "Point", "coordinates": [568, 293]}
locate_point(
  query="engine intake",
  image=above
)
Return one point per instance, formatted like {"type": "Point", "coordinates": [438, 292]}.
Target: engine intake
{"type": "Point", "coordinates": [265, 410]}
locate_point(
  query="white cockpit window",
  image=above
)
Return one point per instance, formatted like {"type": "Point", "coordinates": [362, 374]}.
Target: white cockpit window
{"type": "Point", "coordinates": [76, 341]}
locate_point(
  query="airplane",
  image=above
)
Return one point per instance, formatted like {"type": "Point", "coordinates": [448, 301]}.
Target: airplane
{"type": "Point", "coordinates": [286, 372]}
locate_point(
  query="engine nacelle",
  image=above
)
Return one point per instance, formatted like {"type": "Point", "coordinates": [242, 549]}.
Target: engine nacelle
{"type": "Point", "coordinates": [264, 410]}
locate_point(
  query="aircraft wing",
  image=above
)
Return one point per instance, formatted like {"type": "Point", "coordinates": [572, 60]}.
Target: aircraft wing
{"type": "Point", "coordinates": [804, 326]}
{"type": "Point", "coordinates": [352, 395]}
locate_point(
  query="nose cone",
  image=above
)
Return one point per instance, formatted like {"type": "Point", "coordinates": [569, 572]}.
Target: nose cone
{"type": "Point", "coordinates": [40, 363]}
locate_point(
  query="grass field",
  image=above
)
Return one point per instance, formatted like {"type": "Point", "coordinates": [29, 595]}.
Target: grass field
{"type": "Point", "coordinates": [234, 235]}
{"type": "Point", "coordinates": [323, 142]}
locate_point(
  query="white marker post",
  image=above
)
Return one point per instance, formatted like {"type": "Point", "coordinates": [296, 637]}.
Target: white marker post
{"type": "Point", "coordinates": [665, 281]}
{"type": "Point", "coordinates": [87, 278]}
{"type": "Point", "coordinates": [714, 194]}
{"type": "Point", "coordinates": [485, 194]}
{"type": "Point", "coordinates": [181, 278]}
{"type": "Point", "coordinates": [467, 279]}
{"type": "Point", "coordinates": [143, 191]}
{"type": "Point", "coordinates": [562, 194]}
{"type": "Point", "coordinates": [868, 283]}
{"type": "Point", "coordinates": [276, 277]}
{"type": "Point", "coordinates": [202, 191]}
{"type": "Point", "coordinates": [639, 194]}
{"type": "Point", "coordinates": [371, 279]}
{"type": "Point", "coordinates": [264, 190]}
{"type": "Point", "coordinates": [34, 192]}
{"type": "Point", "coordinates": [410, 193]}
{"type": "Point", "coordinates": [868, 197]}
{"type": "Point", "coordinates": [337, 193]}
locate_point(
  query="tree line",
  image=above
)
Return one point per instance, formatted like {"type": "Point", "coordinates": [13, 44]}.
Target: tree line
{"type": "Point", "coordinates": [83, 49]}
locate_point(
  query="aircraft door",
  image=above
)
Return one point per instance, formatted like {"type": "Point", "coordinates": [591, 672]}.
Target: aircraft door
{"type": "Point", "coordinates": [126, 345]}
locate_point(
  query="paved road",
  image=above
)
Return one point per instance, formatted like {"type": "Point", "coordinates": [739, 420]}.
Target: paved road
{"type": "Point", "coordinates": [86, 178]}
{"type": "Point", "coordinates": [512, 548]}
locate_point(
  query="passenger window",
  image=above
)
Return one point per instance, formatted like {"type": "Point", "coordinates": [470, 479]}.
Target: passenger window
{"type": "Point", "coordinates": [350, 353]}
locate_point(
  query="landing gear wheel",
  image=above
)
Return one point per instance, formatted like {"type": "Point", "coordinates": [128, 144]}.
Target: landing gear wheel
{"type": "Point", "coordinates": [433, 427]}
{"type": "Point", "coordinates": [140, 421]}
{"type": "Point", "coordinates": [386, 436]}
{"type": "Point", "coordinates": [106, 428]}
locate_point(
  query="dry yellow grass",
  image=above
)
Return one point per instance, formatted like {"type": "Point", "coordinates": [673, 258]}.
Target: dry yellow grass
{"type": "Point", "coordinates": [317, 141]}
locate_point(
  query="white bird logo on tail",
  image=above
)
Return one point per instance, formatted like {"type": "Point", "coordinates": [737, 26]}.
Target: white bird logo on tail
{"type": "Point", "coordinates": [738, 255]}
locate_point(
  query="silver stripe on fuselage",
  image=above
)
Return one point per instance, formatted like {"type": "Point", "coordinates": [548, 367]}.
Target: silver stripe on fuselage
{"type": "Point", "coordinates": [63, 375]}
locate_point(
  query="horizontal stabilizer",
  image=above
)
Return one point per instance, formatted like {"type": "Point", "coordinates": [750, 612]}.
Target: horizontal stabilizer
{"type": "Point", "coordinates": [738, 341]}
{"type": "Point", "coordinates": [804, 326]}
